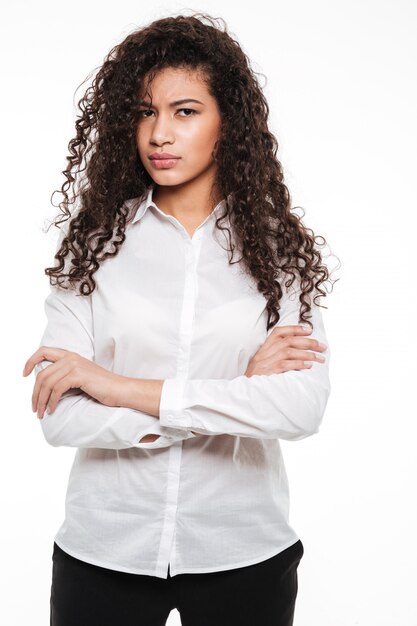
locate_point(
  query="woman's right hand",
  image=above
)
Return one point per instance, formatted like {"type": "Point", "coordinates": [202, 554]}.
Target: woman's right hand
{"type": "Point", "coordinates": [286, 348]}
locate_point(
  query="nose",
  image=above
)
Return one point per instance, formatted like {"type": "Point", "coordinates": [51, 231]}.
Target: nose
{"type": "Point", "coordinates": [162, 130]}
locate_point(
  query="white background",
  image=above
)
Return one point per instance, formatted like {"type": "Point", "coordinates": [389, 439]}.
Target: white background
{"type": "Point", "coordinates": [342, 95]}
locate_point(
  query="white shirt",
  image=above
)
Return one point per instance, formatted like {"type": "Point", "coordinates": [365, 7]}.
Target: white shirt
{"type": "Point", "coordinates": [171, 307]}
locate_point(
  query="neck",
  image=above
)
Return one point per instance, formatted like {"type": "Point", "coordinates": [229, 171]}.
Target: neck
{"type": "Point", "coordinates": [188, 203]}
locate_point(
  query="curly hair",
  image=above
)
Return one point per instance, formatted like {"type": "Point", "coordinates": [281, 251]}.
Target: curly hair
{"type": "Point", "coordinates": [273, 241]}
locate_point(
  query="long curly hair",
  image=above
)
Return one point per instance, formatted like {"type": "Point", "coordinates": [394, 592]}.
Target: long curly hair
{"type": "Point", "coordinates": [104, 169]}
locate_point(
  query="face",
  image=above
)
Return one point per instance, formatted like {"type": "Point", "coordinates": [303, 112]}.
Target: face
{"type": "Point", "coordinates": [186, 131]}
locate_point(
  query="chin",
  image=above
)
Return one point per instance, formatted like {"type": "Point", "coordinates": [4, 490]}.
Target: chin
{"type": "Point", "coordinates": [168, 179]}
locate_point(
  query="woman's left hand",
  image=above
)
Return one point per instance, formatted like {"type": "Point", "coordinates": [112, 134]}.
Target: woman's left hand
{"type": "Point", "coordinates": [70, 370]}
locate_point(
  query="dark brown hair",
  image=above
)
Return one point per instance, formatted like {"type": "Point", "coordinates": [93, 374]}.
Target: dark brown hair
{"type": "Point", "coordinates": [104, 168]}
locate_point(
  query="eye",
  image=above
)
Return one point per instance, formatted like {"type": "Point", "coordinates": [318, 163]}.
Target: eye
{"type": "Point", "coordinates": [192, 111]}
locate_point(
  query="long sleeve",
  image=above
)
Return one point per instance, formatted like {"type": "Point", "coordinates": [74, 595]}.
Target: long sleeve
{"type": "Point", "coordinates": [80, 420]}
{"type": "Point", "coordinates": [289, 405]}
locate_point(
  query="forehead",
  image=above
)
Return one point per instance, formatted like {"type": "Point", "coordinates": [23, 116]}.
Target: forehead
{"type": "Point", "coordinates": [172, 81]}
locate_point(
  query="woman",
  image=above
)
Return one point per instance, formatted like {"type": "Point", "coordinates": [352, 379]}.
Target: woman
{"type": "Point", "coordinates": [172, 367]}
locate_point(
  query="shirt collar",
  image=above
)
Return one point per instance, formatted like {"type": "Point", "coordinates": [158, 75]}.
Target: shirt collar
{"type": "Point", "coordinates": [148, 202]}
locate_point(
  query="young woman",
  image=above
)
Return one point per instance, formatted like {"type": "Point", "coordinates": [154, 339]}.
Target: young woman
{"type": "Point", "coordinates": [182, 343]}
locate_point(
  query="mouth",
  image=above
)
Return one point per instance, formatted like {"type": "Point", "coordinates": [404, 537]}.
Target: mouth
{"type": "Point", "coordinates": [163, 163]}
{"type": "Point", "coordinates": [163, 155]}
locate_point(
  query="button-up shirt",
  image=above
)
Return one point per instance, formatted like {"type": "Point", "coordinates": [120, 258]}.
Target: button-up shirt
{"type": "Point", "coordinates": [170, 306]}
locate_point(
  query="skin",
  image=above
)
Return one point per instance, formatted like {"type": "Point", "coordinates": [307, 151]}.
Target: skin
{"type": "Point", "coordinates": [187, 192]}
{"type": "Point", "coordinates": [189, 130]}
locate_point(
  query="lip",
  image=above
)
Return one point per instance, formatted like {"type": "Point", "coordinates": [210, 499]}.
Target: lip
{"type": "Point", "coordinates": [162, 155]}
{"type": "Point", "coordinates": [164, 164]}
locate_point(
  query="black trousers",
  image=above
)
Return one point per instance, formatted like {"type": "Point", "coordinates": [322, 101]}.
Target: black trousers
{"type": "Point", "coordinates": [262, 594]}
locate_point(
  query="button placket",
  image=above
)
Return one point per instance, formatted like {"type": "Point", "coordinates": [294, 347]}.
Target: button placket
{"type": "Point", "coordinates": [191, 256]}
{"type": "Point", "coordinates": [192, 248]}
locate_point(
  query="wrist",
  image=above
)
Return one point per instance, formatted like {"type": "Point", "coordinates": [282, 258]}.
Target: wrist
{"type": "Point", "coordinates": [142, 394]}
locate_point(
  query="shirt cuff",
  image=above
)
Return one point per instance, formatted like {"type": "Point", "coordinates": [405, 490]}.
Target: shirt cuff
{"type": "Point", "coordinates": [170, 406]}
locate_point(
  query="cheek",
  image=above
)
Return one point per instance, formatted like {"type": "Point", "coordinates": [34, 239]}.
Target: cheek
{"type": "Point", "coordinates": [142, 149]}
{"type": "Point", "coordinates": [212, 135]}
{"type": "Point", "coordinates": [201, 143]}
{"type": "Point", "coordinates": [139, 143]}
{"type": "Point", "coordinates": [141, 139]}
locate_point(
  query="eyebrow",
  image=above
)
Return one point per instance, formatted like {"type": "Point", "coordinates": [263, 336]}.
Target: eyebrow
{"type": "Point", "coordinates": [172, 104]}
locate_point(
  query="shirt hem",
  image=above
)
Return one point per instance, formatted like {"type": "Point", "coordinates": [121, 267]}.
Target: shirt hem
{"type": "Point", "coordinates": [223, 568]}
{"type": "Point", "coordinates": [174, 571]}
{"type": "Point", "coordinates": [115, 568]}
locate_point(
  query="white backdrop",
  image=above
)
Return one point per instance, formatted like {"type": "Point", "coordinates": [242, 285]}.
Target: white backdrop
{"type": "Point", "coordinates": [343, 106]}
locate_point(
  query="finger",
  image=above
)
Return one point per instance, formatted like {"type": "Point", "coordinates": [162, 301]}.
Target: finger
{"type": "Point", "coordinates": [290, 329]}
{"type": "Point", "coordinates": [68, 382]}
{"type": "Point", "coordinates": [296, 364]}
{"type": "Point", "coordinates": [50, 396]}
{"type": "Point", "coordinates": [44, 353]}
{"type": "Point", "coordinates": [296, 354]}
{"type": "Point", "coordinates": [38, 384]}
{"type": "Point", "coordinates": [306, 343]}
{"type": "Point", "coordinates": [45, 381]}
{"type": "Point", "coordinates": [274, 366]}
{"type": "Point", "coordinates": [286, 331]}
{"type": "Point", "coordinates": [281, 347]}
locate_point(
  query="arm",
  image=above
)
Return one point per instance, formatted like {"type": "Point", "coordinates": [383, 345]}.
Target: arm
{"type": "Point", "coordinates": [289, 405]}
{"type": "Point", "coordinates": [79, 420]}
